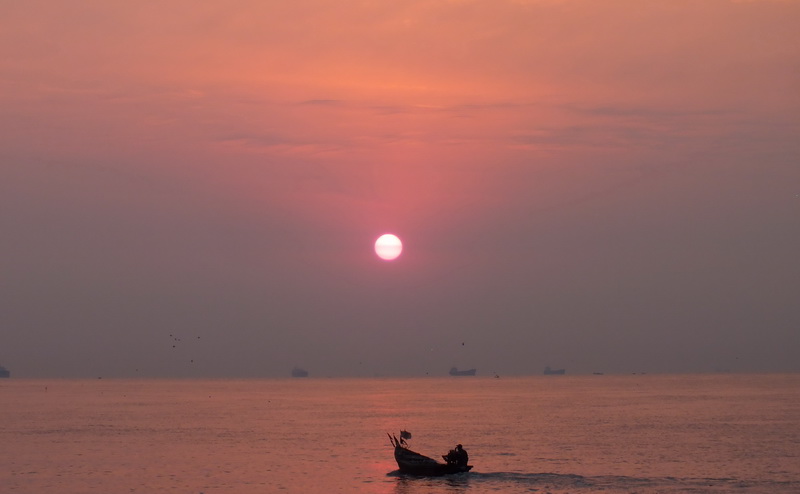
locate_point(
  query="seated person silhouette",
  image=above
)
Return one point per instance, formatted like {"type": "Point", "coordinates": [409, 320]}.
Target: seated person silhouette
{"type": "Point", "coordinates": [457, 456]}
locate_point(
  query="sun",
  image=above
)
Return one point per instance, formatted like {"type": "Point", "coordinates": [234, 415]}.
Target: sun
{"type": "Point", "coordinates": [388, 247]}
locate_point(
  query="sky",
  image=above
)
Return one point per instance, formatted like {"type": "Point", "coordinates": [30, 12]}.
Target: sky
{"type": "Point", "coordinates": [194, 188]}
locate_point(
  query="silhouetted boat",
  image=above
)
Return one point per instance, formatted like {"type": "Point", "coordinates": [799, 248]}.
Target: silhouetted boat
{"type": "Point", "coordinates": [554, 372]}
{"type": "Point", "coordinates": [455, 372]}
{"type": "Point", "coordinates": [4, 372]}
{"type": "Point", "coordinates": [298, 372]}
{"type": "Point", "coordinates": [413, 463]}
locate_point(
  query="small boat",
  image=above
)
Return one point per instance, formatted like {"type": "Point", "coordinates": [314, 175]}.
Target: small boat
{"type": "Point", "coordinates": [413, 463]}
{"type": "Point", "coordinates": [455, 372]}
{"type": "Point", "coordinates": [298, 372]}
{"type": "Point", "coordinates": [4, 372]}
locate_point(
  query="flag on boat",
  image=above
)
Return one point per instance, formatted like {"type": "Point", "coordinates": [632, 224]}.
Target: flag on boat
{"type": "Point", "coordinates": [405, 435]}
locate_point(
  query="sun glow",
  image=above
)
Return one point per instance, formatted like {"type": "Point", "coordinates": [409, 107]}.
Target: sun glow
{"type": "Point", "coordinates": [388, 247]}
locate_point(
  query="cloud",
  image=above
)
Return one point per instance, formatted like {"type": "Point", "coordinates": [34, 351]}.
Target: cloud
{"type": "Point", "coordinates": [322, 102]}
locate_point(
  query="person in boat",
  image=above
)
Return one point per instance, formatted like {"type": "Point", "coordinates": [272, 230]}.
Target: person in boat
{"type": "Point", "coordinates": [457, 456]}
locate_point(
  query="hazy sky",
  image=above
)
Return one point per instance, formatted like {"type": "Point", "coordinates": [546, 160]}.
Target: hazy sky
{"type": "Point", "coordinates": [603, 186]}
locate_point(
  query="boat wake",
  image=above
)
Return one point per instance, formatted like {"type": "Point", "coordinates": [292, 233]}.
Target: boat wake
{"type": "Point", "coordinates": [563, 483]}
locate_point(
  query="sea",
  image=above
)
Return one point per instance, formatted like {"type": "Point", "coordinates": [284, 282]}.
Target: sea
{"type": "Point", "coordinates": [735, 433]}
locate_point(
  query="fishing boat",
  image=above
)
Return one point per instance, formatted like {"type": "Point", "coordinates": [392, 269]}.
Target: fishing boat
{"type": "Point", "coordinates": [413, 463]}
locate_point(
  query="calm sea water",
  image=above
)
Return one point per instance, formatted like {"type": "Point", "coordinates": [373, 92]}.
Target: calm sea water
{"type": "Point", "coordinates": [556, 434]}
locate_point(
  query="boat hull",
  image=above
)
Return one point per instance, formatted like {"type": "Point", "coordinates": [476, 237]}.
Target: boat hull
{"type": "Point", "coordinates": [413, 463]}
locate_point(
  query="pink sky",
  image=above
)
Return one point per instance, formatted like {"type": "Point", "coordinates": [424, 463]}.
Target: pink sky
{"type": "Point", "coordinates": [577, 173]}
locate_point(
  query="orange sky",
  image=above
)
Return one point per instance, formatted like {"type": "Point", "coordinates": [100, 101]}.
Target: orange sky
{"type": "Point", "coordinates": [480, 131]}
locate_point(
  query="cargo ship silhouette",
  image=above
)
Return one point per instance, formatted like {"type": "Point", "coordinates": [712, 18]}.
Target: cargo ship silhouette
{"type": "Point", "coordinates": [455, 372]}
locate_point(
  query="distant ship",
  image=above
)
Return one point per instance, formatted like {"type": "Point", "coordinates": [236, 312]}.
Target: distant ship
{"type": "Point", "coordinates": [455, 372]}
{"type": "Point", "coordinates": [4, 372]}
{"type": "Point", "coordinates": [554, 372]}
{"type": "Point", "coordinates": [298, 372]}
